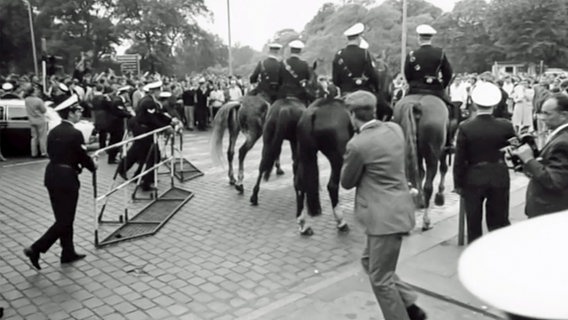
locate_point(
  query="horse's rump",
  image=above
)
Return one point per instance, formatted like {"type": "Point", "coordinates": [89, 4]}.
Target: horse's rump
{"type": "Point", "coordinates": [252, 113]}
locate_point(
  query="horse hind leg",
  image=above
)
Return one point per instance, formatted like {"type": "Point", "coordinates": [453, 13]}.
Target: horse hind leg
{"type": "Point", "coordinates": [230, 156]}
{"type": "Point", "coordinates": [439, 199]}
{"type": "Point", "coordinates": [336, 161]}
{"type": "Point", "coordinates": [431, 170]}
{"type": "Point", "coordinates": [279, 170]}
{"type": "Point", "coordinates": [243, 150]}
{"type": "Point", "coordinates": [303, 227]}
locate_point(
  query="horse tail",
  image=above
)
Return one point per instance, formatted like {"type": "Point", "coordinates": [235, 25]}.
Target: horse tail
{"type": "Point", "coordinates": [308, 170]}
{"type": "Point", "coordinates": [273, 142]}
{"type": "Point", "coordinates": [225, 117]}
{"type": "Point", "coordinates": [408, 124]}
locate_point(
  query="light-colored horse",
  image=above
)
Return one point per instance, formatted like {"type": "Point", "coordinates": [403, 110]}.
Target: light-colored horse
{"type": "Point", "coordinates": [424, 120]}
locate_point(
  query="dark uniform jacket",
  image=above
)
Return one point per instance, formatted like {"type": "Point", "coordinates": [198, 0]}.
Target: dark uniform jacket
{"type": "Point", "coordinates": [479, 161]}
{"type": "Point", "coordinates": [423, 67]}
{"type": "Point", "coordinates": [354, 69]}
{"type": "Point", "coordinates": [547, 191]}
{"type": "Point", "coordinates": [294, 73]}
{"type": "Point", "coordinates": [117, 111]}
{"type": "Point", "coordinates": [146, 120]}
{"type": "Point", "coordinates": [267, 74]}
{"type": "Point", "coordinates": [65, 146]}
{"type": "Point", "coordinates": [101, 108]}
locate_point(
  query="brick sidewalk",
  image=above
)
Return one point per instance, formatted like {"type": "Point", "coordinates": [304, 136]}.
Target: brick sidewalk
{"type": "Point", "coordinates": [217, 258]}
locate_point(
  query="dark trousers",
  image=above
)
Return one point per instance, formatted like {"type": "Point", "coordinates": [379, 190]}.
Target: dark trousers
{"type": "Point", "coordinates": [201, 114]}
{"type": "Point", "coordinates": [142, 153]}
{"type": "Point", "coordinates": [103, 136]}
{"type": "Point", "coordinates": [496, 209]}
{"type": "Point", "coordinates": [64, 204]}
{"type": "Point", "coordinates": [116, 135]}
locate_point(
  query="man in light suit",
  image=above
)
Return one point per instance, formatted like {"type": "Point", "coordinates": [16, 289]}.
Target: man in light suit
{"type": "Point", "coordinates": [374, 164]}
{"type": "Point", "coordinates": [547, 191]}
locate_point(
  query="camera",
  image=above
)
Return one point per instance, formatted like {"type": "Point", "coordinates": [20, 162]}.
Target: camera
{"type": "Point", "coordinates": [515, 143]}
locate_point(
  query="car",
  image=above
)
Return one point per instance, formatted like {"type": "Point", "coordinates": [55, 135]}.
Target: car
{"type": "Point", "coordinates": [15, 133]}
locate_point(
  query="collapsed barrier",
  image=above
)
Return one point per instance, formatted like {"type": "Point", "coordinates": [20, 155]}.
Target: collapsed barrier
{"type": "Point", "coordinates": [162, 207]}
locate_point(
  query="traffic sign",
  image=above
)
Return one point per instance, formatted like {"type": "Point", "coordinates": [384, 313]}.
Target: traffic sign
{"type": "Point", "coordinates": [129, 63]}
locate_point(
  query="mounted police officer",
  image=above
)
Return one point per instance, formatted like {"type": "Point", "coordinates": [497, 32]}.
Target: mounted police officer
{"type": "Point", "coordinates": [267, 74]}
{"type": "Point", "coordinates": [295, 73]}
{"type": "Point", "coordinates": [427, 70]}
{"type": "Point", "coordinates": [353, 67]}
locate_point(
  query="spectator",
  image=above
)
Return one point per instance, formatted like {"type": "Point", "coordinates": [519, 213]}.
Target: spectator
{"type": "Point", "coordinates": [216, 99]}
{"type": "Point", "coordinates": [235, 92]}
{"type": "Point", "coordinates": [374, 164]}
{"type": "Point", "coordinates": [188, 97]}
{"type": "Point", "coordinates": [547, 191]}
{"type": "Point", "coordinates": [480, 172]}
{"type": "Point", "coordinates": [36, 110]}
{"type": "Point", "coordinates": [201, 111]}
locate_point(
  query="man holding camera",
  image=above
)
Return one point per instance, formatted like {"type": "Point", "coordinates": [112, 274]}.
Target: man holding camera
{"type": "Point", "coordinates": [480, 172]}
{"type": "Point", "coordinates": [547, 191]}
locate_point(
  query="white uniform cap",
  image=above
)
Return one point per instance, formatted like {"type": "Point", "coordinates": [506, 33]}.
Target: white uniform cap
{"type": "Point", "coordinates": [7, 86]}
{"type": "Point", "coordinates": [363, 44]}
{"type": "Point", "coordinates": [274, 45]}
{"type": "Point", "coordinates": [355, 30]}
{"type": "Point", "coordinates": [123, 89]}
{"type": "Point", "coordinates": [201, 80]}
{"type": "Point", "coordinates": [425, 29]}
{"type": "Point", "coordinates": [152, 86]}
{"type": "Point", "coordinates": [521, 269]}
{"type": "Point", "coordinates": [486, 94]}
{"type": "Point", "coordinates": [296, 44]}
{"type": "Point", "coordinates": [165, 94]}
{"type": "Point", "coordinates": [63, 87]}
{"type": "Point", "coordinates": [69, 102]}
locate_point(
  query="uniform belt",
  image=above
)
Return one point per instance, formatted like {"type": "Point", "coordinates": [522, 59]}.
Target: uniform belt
{"type": "Point", "coordinates": [484, 163]}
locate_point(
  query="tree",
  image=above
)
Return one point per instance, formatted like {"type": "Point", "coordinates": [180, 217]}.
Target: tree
{"type": "Point", "coordinates": [530, 31]}
{"type": "Point", "coordinates": [15, 44]}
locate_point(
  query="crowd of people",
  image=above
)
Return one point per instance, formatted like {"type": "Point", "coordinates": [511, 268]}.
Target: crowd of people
{"type": "Point", "coordinates": [375, 158]}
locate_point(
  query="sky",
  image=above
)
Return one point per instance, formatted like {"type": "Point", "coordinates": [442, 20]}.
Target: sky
{"type": "Point", "coordinates": [254, 22]}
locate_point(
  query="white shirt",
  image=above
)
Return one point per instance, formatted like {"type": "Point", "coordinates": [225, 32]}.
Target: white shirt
{"type": "Point", "coordinates": [555, 132]}
{"type": "Point", "coordinates": [235, 93]}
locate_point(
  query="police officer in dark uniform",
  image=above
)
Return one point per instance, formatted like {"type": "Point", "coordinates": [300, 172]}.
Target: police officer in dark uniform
{"type": "Point", "coordinates": [68, 156]}
{"type": "Point", "coordinates": [427, 70]}
{"type": "Point", "coordinates": [295, 74]}
{"type": "Point", "coordinates": [116, 115]}
{"type": "Point", "coordinates": [267, 74]}
{"type": "Point", "coordinates": [480, 173]}
{"type": "Point", "coordinates": [150, 116]}
{"type": "Point", "coordinates": [353, 67]}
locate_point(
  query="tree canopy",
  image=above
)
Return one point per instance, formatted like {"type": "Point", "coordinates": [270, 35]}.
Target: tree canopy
{"type": "Point", "coordinates": [168, 37]}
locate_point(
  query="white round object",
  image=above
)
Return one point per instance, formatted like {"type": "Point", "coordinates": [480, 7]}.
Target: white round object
{"type": "Point", "coordinates": [521, 269]}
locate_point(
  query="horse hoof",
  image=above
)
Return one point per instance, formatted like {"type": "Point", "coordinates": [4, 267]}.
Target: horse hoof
{"type": "Point", "coordinates": [343, 228]}
{"type": "Point", "coordinates": [240, 188]}
{"type": "Point", "coordinates": [279, 172]}
{"type": "Point", "coordinates": [307, 232]}
{"type": "Point", "coordinates": [232, 182]}
{"type": "Point", "coordinates": [253, 201]}
{"type": "Point", "coordinates": [439, 199]}
{"type": "Point", "coordinates": [426, 226]}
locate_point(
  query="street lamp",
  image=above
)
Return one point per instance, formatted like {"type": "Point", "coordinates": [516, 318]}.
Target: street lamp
{"type": "Point", "coordinates": [229, 27]}
{"type": "Point", "coordinates": [32, 35]}
{"type": "Point", "coordinates": [403, 40]}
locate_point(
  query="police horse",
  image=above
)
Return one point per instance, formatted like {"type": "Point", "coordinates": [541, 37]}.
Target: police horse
{"type": "Point", "coordinates": [324, 126]}
{"type": "Point", "coordinates": [425, 122]}
{"type": "Point", "coordinates": [247, 116]}
{"type": "Point", "coordinates": [281, 121]}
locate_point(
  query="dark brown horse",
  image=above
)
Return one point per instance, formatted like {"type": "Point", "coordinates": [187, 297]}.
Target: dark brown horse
{"type": "Point", "coordinates": [246, 116]}
{"type": "Point", "coordinates": [385, 92]}
{"type": "Point", "coordinates": [424, 120]}
{"type": "Point", "coordinates": [280, 125]}
{"type": "Point", "coordinates": [324, 126]}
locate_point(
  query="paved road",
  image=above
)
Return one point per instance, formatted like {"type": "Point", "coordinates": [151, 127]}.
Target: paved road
{"type": "Point", "coordinates": [217, 258]}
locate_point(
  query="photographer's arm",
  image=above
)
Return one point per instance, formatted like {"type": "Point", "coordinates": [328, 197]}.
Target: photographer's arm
{"type": "Point", "coordinates": [553, 175]}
